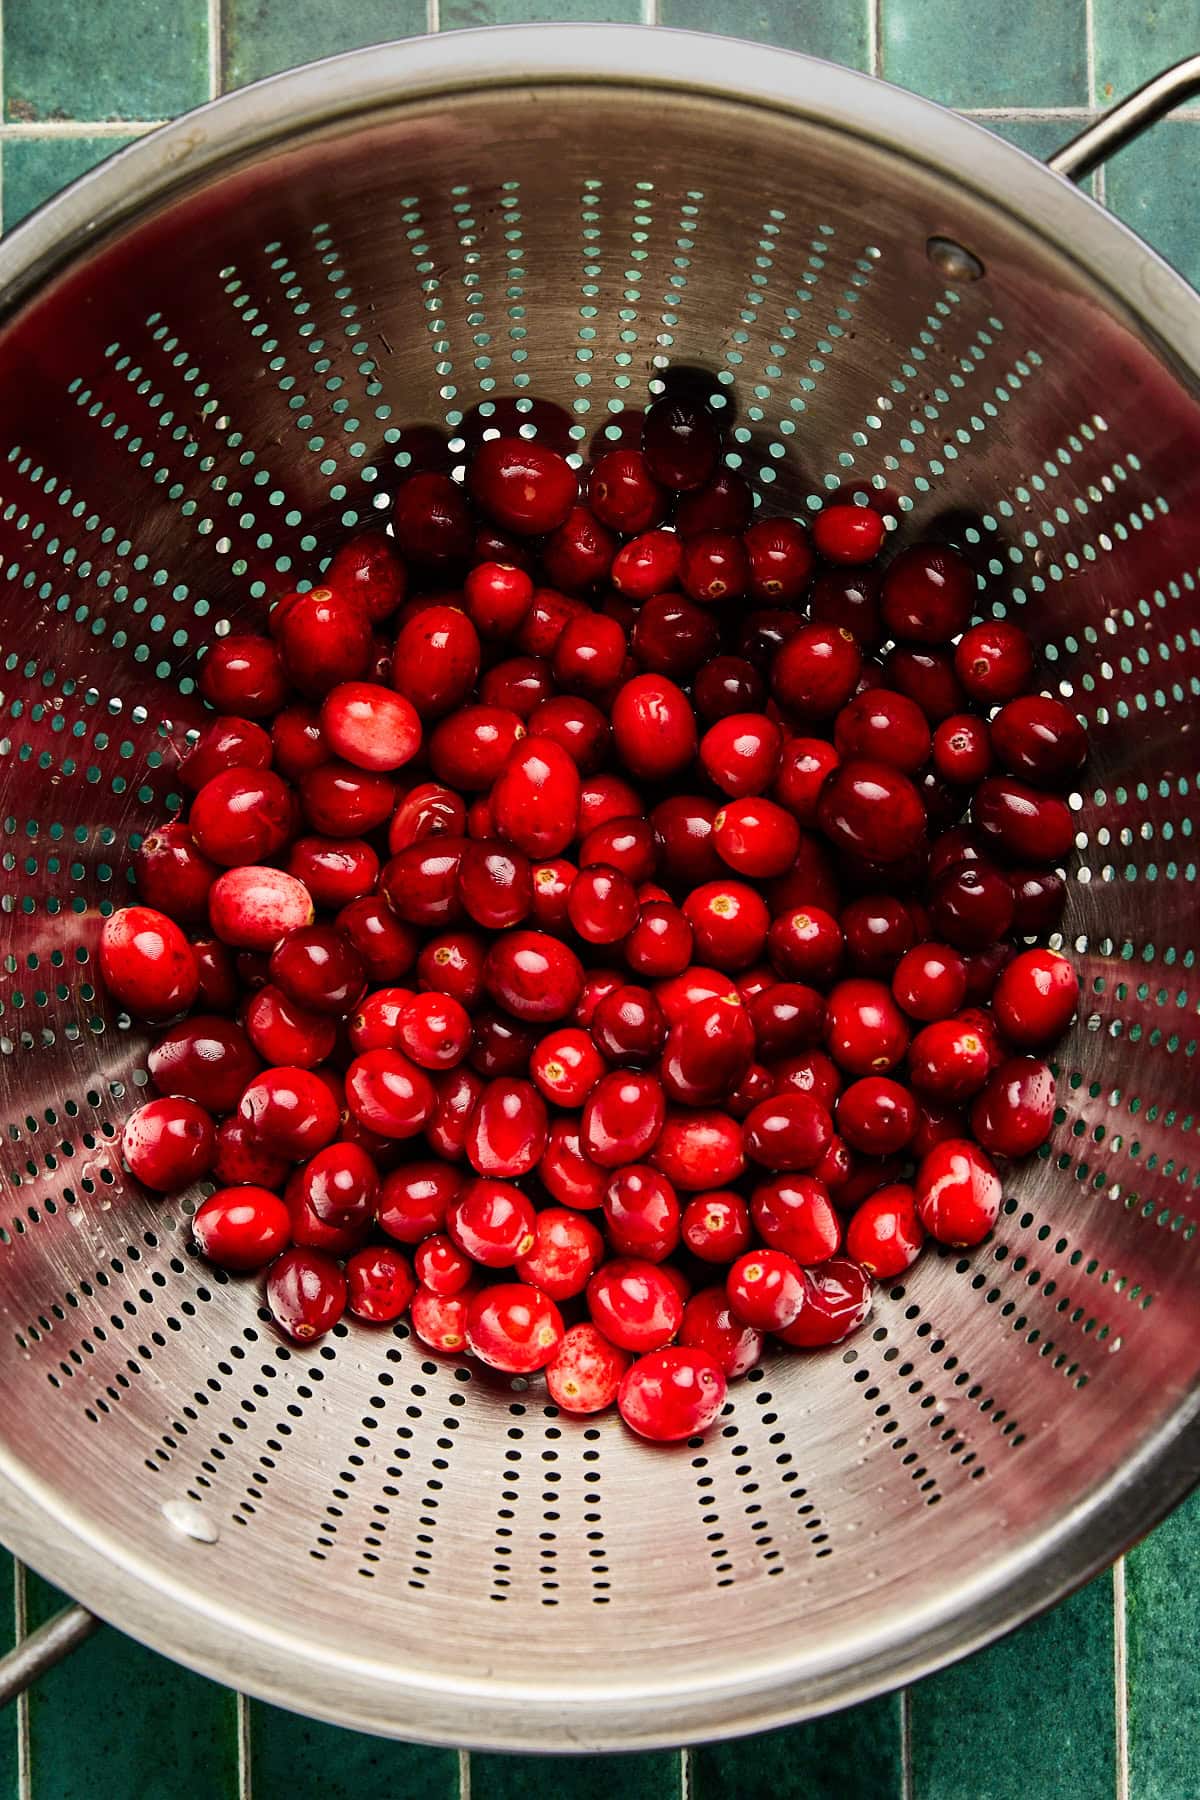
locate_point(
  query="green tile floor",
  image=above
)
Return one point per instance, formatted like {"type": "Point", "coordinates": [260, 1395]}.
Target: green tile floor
{"type": "Point", "coordinates": [1101, 1698]}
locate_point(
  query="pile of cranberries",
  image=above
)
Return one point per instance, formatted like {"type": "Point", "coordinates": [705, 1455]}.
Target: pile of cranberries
{"type": "Point", "coordinates": [596, 928]}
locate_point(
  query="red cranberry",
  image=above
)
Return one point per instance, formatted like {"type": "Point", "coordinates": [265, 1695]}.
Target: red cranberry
{"type": "Point", "coordinates": [926, 676]}
{"type": "Point", "coordinates": [533, 976]}
{"type": "Point", "coordinates": [878, 929]}
{"type": "Point", "coordinates": [370, 726]}
{"type": "Point", "coordinates": [716, 1226]}
{"type": "Point", "coordinates": [242, 1228]}
{"type": "Point", "coordinates": [790, 1131]}
{"type": "Point", "coordinates": [741, 752]}
{"type": "Point", "coordinates": [766, 1289]}
{"type": "Point", "coordinates": [629, 1026]}
{"type": "Point", "coordinates": [379, 1284]}
{"type": "Point", "coordinates": [319, 968]}
{"type": "Point", "coordinates": [1035, 998]}
{"type": "Point", "coordinates": [1024, 824]}
{"type": "Point", "coordinates": [602, 905]}
{"type": "Point", "coordinates": [440, 1320]}
{"type": "Point", "coordinates": [432, 520]}
{"type": "Point", "coordinates": [865, 1031]}
{"type": "Point", "coordinates": [729, 922]}
{"type": "Point", "coordinates": [567, 1249]}
{"type": "Point", "coordinates": [342, 801]}
{"type": "Point", "coordinates": [793, 1213]}
{"type": "Point", "coordinates": [566, 1173]}
{"type": "Point", "coordinates": [805, 944]}
{"type": "Point", "coordinates": [576, 726]}
{"type": "Point", "coordinates": [1014, 1114]}
{"type": "Point", "coordinates": [787, 1018]}
{"type": "Point", "coordinates": [334, 870]}
{"type": "Point", "coordinates": [994, 662]}
{"type": "Point", "coordinates": [244, 676]}
{"type": "Point", "coordinates": [958, 1193]}
{"type": "Point", "coordinates": [673, 636]}
{"type": "Point", "coordinates": [426, 810]}
{"type": "Point", "coordinates": [548, 617]}
{"type": "Point", "coordinates": [930, 981]}
{"type": "Point", "coordinates": [289, 1112]}
{"type": "Point", "coordinates": [497, 597]}
{"type": "Point", "coordinates": [434, 1030]}
{"type": "Point", "coordinates": [388, 948]}
{"type": "Point", "coordinates": [306, 1292]}
{"type": "Point", "coordinates": [803, 767]}
{"type": "Point", "coordinates": [780, 561]}
{"type": "Point", "coordinates": [519, 685]}
{"type": "Point", "coordinates": [324, 639]}
{"type": "Point", "coordinates": [885, 1234]}
{"type": "Point", "coordinates": [623, 494]}
{"type": "Point", "coordinates": [683, 836]}
{"type": "Point", "coordinates": [671, 1394]}
{"type": "Point", "coordinates": [723, 504]}
{"type": "Point", "coordinates": [871, 809]}
{"type": "Point", "coordinates": [506, 1133]}
{"type": "Point", "coordinates": [535, 800]}
{"type": "Point", "coordinates": [388, 1094]}
{"type": "Point", "coordinates": [622, 1118]}
{"type": "Point", "coordinates": [678, 994]}
{"type": "Point", "coordinates": [928, 592]}
{"type": "Point", "coordinates": [468, 750]}
{"type": "Point", "coordinates": [836, 1303]}
{"type": "Point", "coordinates": [492, 1222]}
{"type": "Point", "coordinates": [814, 1073]}
{"type": "Point", "coordinates": [585, 1372]}
{"type": "Point", "coordinates": [1039, 739]}
{"type": "Point", "coordinates": [513, 1327]}
{"type": "Point", "coordinates": [849, 534]}
{"type": "Point", "coordinates": [147, 964]}
{"type": "Point", "coordinates": [552, 884]}
{"type": "Point", "coordinates": [971, 906]}
{"type": "Point", "coordinates": [660, 944]}
{"type": "Point", "coordinates": [1039, 898]}
{"type": "Point", "coordinates": [340, 1185]}
{"type": "Point", "coordinates": [654, 727]}
{"type": "Point", "coordinates": [953, 847]}
{"type": "Point", "coordinates": [962, 750]}
{"type": "Point", "coordinates": [297, 742]}
{"type": "Point", "coordinates": [949, 1060]}
{"type": "Point", "coordinates": [499, 1045]}
{"type": "Point", "coordinates": [850, 601]}
{"type": "Point", "coordinates": [495, 884]}
{"type": "Point", "coordinates": [727, 685]}
{"type": "Point", "coordinates": [413, 1200]}
{"type": "Point", "coordinates": [626, 845]}
{"type": "Point", "coordinates": [815, 671]}
{"type": "Point", "coordinates": [224, 743]}
{"type": "Point", "coordinates": [441, 1266]}
{"type": "Point", "coordinates": [421, 883]}
{"type": "Point", "coordinates": [205, 1059]}
{"type": "Point", "coordinates": [877, 1116]}
{"type": "Point", "coordinates": [589, 655]}
{"type": "Point", "coordinates": [709, 1324]}
{"type": "Point", "coordinates": [367, 569]}
{"type": "Point", "coordinates": [524, 486]}
{"type": "Point", "coordinates": [889, 727]}
{"type": "Point", "coordinates": [240, 1163]}
{"type": "Point", "coordinates": [579, 553]}
{"type": "Point", "coordinates": [707, 1051]}
{"type": "Point", "coordinates": [285, 1033]}
{"type": "Point", "coordinates": [714, 567]}
{"type": "Point", "coordinates": [635, 1304]}
{"type": "Point", "coordinates": [169, 1143]}
{"type": "Point", "coordinates": [641, 1213]}
{"type": "Point", "coordinates": [243, 816]}
{"type": "Point", "coordinates": [680, 443]}
{"type": "Point", "coordinates": [696, 1150]}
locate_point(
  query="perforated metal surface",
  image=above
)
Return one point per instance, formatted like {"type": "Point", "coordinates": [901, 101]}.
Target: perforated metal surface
{"type": "Point", "coordinates": [190, 408]}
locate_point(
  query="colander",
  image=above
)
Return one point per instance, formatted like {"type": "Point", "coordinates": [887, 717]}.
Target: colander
{"type": "Point", "coordinates": [213, 354]}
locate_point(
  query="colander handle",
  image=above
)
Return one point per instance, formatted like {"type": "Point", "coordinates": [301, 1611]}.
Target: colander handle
{"type": "Point", "coordinates": [42, 1649]}
{"type": "Point", "coordinates": [1127, 120]}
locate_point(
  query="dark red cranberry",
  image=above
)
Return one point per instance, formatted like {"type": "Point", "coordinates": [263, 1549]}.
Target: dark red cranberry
{"type": "Point", "coordinates": [806, 944]}
{"type": "Point", "coordinates": [432, 521]}
{"type": "Point", "coordinates": [552, 884]}
{"type": "Point", "coordinates": [387, 947]}
{"type": "Point", "coordinates": [413, 1200]}
{"type": "Point", "coordinates": [812, 1073]}
{"type": "Point", "coordinates": [1039, 898]}
{"type": "Point", "coordinates": [885, 1235]}
{"type": "Point", "coordinates": [725, 685]}
{"type": "Point", "coordinates": [548, 616]}
{"type": "Point", "coordinates": [388, 1094]}
{"type": "Point", "coordinates": [499, 1044]}
{"type": "Point", "coordinates": [890, 728]}
{"type": "Point", "coordinates": [434, 1030]}
{"type": "Point", "coordinates": [930, 981]}
{"type": "Point", "coordinates": [244, 676]}
{"type": "Point", "coordinates": [683, 833]}
{"type": "Point", "coordinates": [1014, 1114]}
{"type": "Point", "coordinates": [306, 1293]}
{"type": "Point", "coordinates": [962, 749]}
{"type": "Point", "coordinates": [971, 906]}
{"type": "Point", "coordinates": [878, 929]}
{"type": "Point", "coordinates": [576, 726]}
{"type": "Point", "coordinates": [533, 976]}
{"type": "Point", "coordinates": [173, 876]}
{"type": "Point", "coordinates": [849, 600]}
{"type": "Point", "coordinates": [837, 1301]}
{"type": "Point", "coordinates": [495, 884]}
{"type": "Point", "coordinates": [578, 553]}
{"type": "Point", "coordinates": [780, 561]}
{"type": "Point", "coordinates": [334, 870]}
{"type": "Point", "coordinates": [421, 883]}
{"type": "Point", "coordinates": [297, 741]}
{"type": "Point", "coordinates": [673, 636]}
{"type": "Point", "coordinates": [342, 801]}
{"type": "Point", "coordinates": [468, 750]}
{"type": "Point", "coordinates": [994, 662]}
{"type": "Point", "coordinates": [815, 671]}
{"type": "Point", "coordinates": [597, 986]}
{"type": "Point", "coordinates": [366, 569]}
{"type": "Point", "coordinates": [243, 816]}
{"type": "Point", "coordinates": [787, 1018]}
{"type": "Point", "coordinates": [523, 485]}
{"type": "Point", "coordinates": [958, 1193]}
{"type": "Point", "coordinates": [629, 1026]}
{"type": "Point", "coordinates": [928, 593]}
{"type": "Point", "coordinates": [286, 1033]}
{"type": "Point", "coordinates": [877, 1115]}
{"type": "Point", "coordinates": [804, 765]}
{"type": "Point", "coordinates": [224, 743]}
{"type": "Point", "coordinates": [324, 639]}
{"type": "Point", "coordinates": [589, 655]}
{"type": "Point", "coordinates": [623, 494]}
{"type": "Point", "coordinates": [926, 676]}
{"type": "Point", "coordinates": [1024, 824]}
{"type": "Point", "coordinates": [723, 504]}
{"type": "Point", "coordinates": [660, 944]}
{"type": "Point", "coordinates": [714, 567]}
{"type": "Point", "coordinates": [849, 534]}
{"type": "Point", "coordinates": [871, 809]}
{"type": "Point", "coordinates": [865, 1031]}
{"type": "Point", "coordinates": [707, 1051]}
{"type": "Point", "coordinates": [709, 1324]}
{"type": "Point", "coordinates": [319, 968]}
{"type": "Point", "coordinates": [681, 443]}
{"type": "Point", "coordinates": [1039, 739]}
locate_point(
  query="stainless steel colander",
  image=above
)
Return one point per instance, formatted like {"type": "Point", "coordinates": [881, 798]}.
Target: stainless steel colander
{"type": "Point", "coordinates": [210, 352]}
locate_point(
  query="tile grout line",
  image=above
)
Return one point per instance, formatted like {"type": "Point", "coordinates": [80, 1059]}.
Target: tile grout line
{"type": "Point", "coordinates": [47, 129]}
{"type": "Point", "coordinates": [433, 16]}
{"type": "Point", "coordinates": [906, 1763]}
{"type": "Point", "coordinates": [245, 1780]}
{"type": "Point", "coordinates": [24, 1746]}
{"type": "Point", "coordinates": [875, 36]}
{"type": "Point", "coordinates": [685, 1773]}
{"type": "Point", "coordinates": [650, 12]}
{"type": "Point", "coordinates": [1121, 1680]}
{"type": "Point", "coordinates": [464, 1756]}
{"type": "Point", "coordinates": [1089, 20]}
{"type": "Point", "coordinates": [216, 48]}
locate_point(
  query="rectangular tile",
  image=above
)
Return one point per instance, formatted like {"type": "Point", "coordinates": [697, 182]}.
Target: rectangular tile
{"type": "Point", "coordinates": [978, 53]}
{"type": "Point", "coordinates": [1031, 1718]}
{"type": "Point", "coordinates": [1135, 39]}
{"type": "Point", "coordinates": [293, 1759]}
{"type": "Point", "coordinates": [836, 29]}
{"type": "Point", "coordinates": [1152, 186]}
{"type": "Point", "coordinates": [117, 1722]}
{"type": "Point", "coordinates": [1040, 137]}
{"type": "Point", "coordinates": [1162, 1599]}
{"type": "Point", "coordinates": [652, 1775]}
{"type": "Point", "coordinates": [36, 168]}
{"type": "Point", "coordinates": [263, 36]}
{"type": "Point", "coordinates": [459, 15]}
{"type": "Point", "coordinates": [104, 59]}
{"type": "Point", "coordinates": [853, 1755]}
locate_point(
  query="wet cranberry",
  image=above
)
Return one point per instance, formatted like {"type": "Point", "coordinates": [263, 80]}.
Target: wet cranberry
{"type": "Point", "coordinates": [928, 592]}
{"type": "Point", "coordinates": [740, 753]}
{"type": "Point", "coordinates": [949, 1061]}
{"type": "Point", "coordinates": [552, 883]}
{"type": "Point", "coordinates": [579, 553]}
{"type": "Point", "coordinates": [1039, 898]}
{"type": "Point", "coordinates": [890, 728]}
{"type": "Point", "coordinates": [375, 1022]}
{"type": "Point", "coordinates": [523, 485]}
{"type": "Point", "coordinates": [994, 662]}
{"type": "Point", "coordinates": [548, 617]}
{"type": "Point", "coordinates": [441, 1266]}
{"type": "Point", "coordinates": [673, 636]}
{"type": "Point", "coordinates": [958, 1193]}
{"type": "Point", "coordinates": [456, 1093]}
{"type": "Point", "coordinates": [434, 1030]}
{"type": "Point", "coordinates": [793, 1213]}
{"type": "Point", "coordinates": [780, 561]}
{"type": "Point", "coordinates": [715, 1226]}
{"type": "Point", "coordinates": [243, 816]}
{"type": "Point", "coordinates": [342, 801]}
{"type": "Point", "coordinates": [206, 1059]}
{"type": "Point", "coordinates": [241, 1228]}
{"type": "Point", "coordinates": [492, 1222]}
{"type": "Point", "coordinates": [468, 750]}
{"type": "Point", "coordinates": [602, 905]}
{"type": "Point", "coordinates": [243, 676]}
{"type": "Point", "coordinates": [871, 809]}
{"type": "Point", "coordinates": [513, 1327]}
{"type": "Point", "coordinates": [635, 1304]}
{"type": "Point", "coordinates": [289, 1112]}
{"type": "Point", "coordinates": [369, 726]}
{"type": "Point", "coordinates": [680, 443]}
{"type": "Point", "coordinates": [432, 520]}
{"type": "Point", "coordinates": [499, 1045]}
{"type": "Point", "coordinates": [926, 676]}
{"type": "Point", "coordinates": [766, 1289]}
{"type": "Point", "coordinates": [1035, 998]}
{"type": "Point", "coordinates": [585, 1372]}
{"type": "Point", "coordinates": [366, 569]}
{"type": "Point", "coordinates": [671, 1394]}
{"type": "Point", "coordinates": [340, 1185]}
{"type": "Point", "coordinates": [169, 1143]}
{"type": "Point", "coordinates": [497, 597]}
{"type": "Point", "coordinates": [387, 947]}
{"type": "Point", "coordinates": [654, 728]}
{"type": "Point", "coordinates": [960, 845]}
{"type": "Point", "coordinates": [566, 1173]}
{"type": "Point", "coordinates": [837, 1301]}
{"type": "Point", "coordinates": [224, 743]}
{"type": "Point", "coordinates": [877, 1115]}
{"type": "Point", "coordinates": [535, 800]}
{"type": "Point", "coordinates": [576, 726]}
{"type": "Point", "coordinates": [806, 944]}
{"type": "Point", "coordinates": [803, 767]}
{"type": "Point", "coordinates": [660, 944]}
{"type": "Point", "coordinates": [962, 750]}
{"type": "Point", "coordinates": [878, 929]}
{"type": "Point", "coordinates": [683, 836]}
{"type": "Point", "coordinates": [622, 1118]}
{"type": "Point", "coordinates": [1040, 740]}
{"type": "Point", "coordinates": [726, 685]}
{"type": "Point", "coordinates": [629, 1026]}
{"type": "Point", "coordinates": [413, 1200]}
{"type": "Point", "coordinates": [440, 1320]}
{"type": "Point", "coordinates": [285, 1033]}
{"type": "Point", "coordinates": [930, 981]}
{"type": "Point", "coordinates": [324, 639]}
{"type": "Point", "coordinates": [297, 741]}
{"type": "Point", "coordinates": [1023, 823]}
{"type": "Point", "coordinates": [814, 1073]}
{"type": "Point", "coordinates": [306, 1293]}
{"type": "Point", "coordinates": [147, 964]}
{"type": "Point", "coordinates": [626, 845]}
{"type": "Point", "coordinates": [389, 1094]}
{"type": "Point", "coordinates": [790, 1131]}
{"type": "Point", "coordinates": [714, 567]}
{"type": "Point", "coordinates": [850, 601]}
{"type": "Point", "coordinates": [709, 1324]}
{"type": "Point", "coordinates": [1014, 1114]}
{"type": "Point", "coordinates": [589, 655]}
{"type": "Point", "coordinates": [319, 968]}
{"type": "Point", "coordinates": [506, 1133]}
{"type": "Point", "coordinates": [723, 504]}
{"type": "Point", "coordinates": [885, 1234]}
{"type": "Point", "coordinates": [334, 870]}
{"type": "Point", "coordinates": [239, 1162]}
{"type": "Point", "coordinates": [379, 1283]}
{"type": "Point", "coordinates": [707, 1051]}
{"type": "Point", "coordinates": [641, 1213]}
{"type": "Point", "coordinates": [495, 884]}
{"type": "Point", "coordinates": [623, 494]}
{"type": "Point", "coordinates": [848, 534]}
{"type": "Point", "coordinates": [421, 883]}
{"type": "Point", "coordinates": [696, 1150]}
{"type": "Point", "coordinates": [971, 905]}
{"type": "Point", "coordinates": [567, 1249]}
{"type": "Point", "coordinates": [865, 1031]}
{"type": "Point", "coordinates": [787, 1018]}
{"type": "Point", "coordinates": [729, 922]}
{"type": "Point", "coordinates": [533, 976]}
{"type": "Point", "coordinates": [815, 671]}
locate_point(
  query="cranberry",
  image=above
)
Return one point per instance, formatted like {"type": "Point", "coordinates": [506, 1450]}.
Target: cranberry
{"type": "Point", "coordinates": [297, 742]}
{"type": "Point", "coordinates": [962, 750]}
{"type": "Point", "coordinates": [935, 1123]}
{"type": "Point", "coordinates": [671, 1394]}
{"type": "Point", "coordinates": [865, 1031]}
{"type": "Point", "coordinates": [585, 1372]}
{"type": "Point", "coordinates": [506, 1133]}
{"type": "Point", "coordinates": [589, 655]}
{"type": "Point", "coordinates": [654, 728]}
{"type": "Point", "coordinates": [714, 567]}
{"type": "Point", "coordinates": [789, 1131]}
{"type": "Point", "coordinates": [379, 1284]}
{"type": "Point", "coordinates": [602, 905]}
{"type": "Point", "coordinates": [440, 1266]}
{"type": "Point", "coordinates": [495, 884]}
{"type": "Point", "coordinates": [567, 1249]}
{"type": "Point", "coordinates": [927, 594]}
{"type": "Point", "coordinates": [877, 1115]}
{"type": "Point", "coordinates": [388, 948]}
{"type": "Point", "coordinates": [673, 636]}
{"type": "Point", "coordinates": [1039, 897]}
{"type": "Point", "coordinates": [806, 944]}
{"type": "Point", "coordinates": [243, 816]}
{"type": "Point", "coordinates": [579, 553]}
{"type": "Point", "coordinates": [930, 981]}
{"type": "Point", "coordinates": [413, 1200]}
{"type": "Point", "coordinates": [239, 1162]}
{"type": "Point", "coordinates": [726, 685]}
{"type": "Point", "coordinates": [716, 1226]}
{"type": "Point", "coordinates": [724, 503]}
{"type": "Point", "coordinates": [306, 1292]}
{"type": "Point", "coordinates": [571, 1177]}
{"type": "Point", "coordinates": [626, 845]}
{"type": "Point", "coordinates": [342, 801]}
{"type": "Point", "coordinates": [325, 639]}
{"type": "Point", "coordinates": [535, 800]}
{"type": "Point", "coordinates": [244, 676]}
{"type": "Point", "coordinates": [766, 1289]}
{"type": "Point", "coordinates": [680, 443]}
{"type": "Point", "coordinates": [432, 520]}
{"type": "Point", "coordinates": [740, 753]}
{"type": "Point", "coordinates": [1035, 998]}
{"type": "Point", "coordinates": [815, 671]}
{"type": "Point", "coordinates": [172, 875]}
{"type": "Point", "coordinates": [1014, 1114]}
{"type": "Point", "coordinates": [284, 1032]}
{"type": "Point", "coordinates": [803, 767]}
{"type": "Point", "coordinates": [318, 967]}
{"type": "Point", "coordinates": [427, 810]}
{"type": "Point", "coordinates": [890, 728]}
{"type": "Point", "coordinates": [849, 534]}
{"type": "Point", "coordinates": [492, 1222]}
{"type": "Point", "coordinates": [983, 970]}
{"type": "Point", "coordinates": [680, 993]}
{"type": "Point", "coordinates": [635, 1304]}
{"type": "Point", "coordinates": [729, 922]}
{"type": "Point", "coordinates": [370, 726]}
{"type": "Point", "coordinates": [949, 1060]}
{"type": "Point", "coordinates": [1023, 823]}
{"type": "Point", "coordinates": [340, 1185]}
{"type": "Point", "coordinates": [793, 1213]}
{"type": "Point", "coordinates": [334, 870]}
{"type": "Point", "coordinates": [926, 676]}
{"type": "Point", "coordinates": [224, 743]}
{"type": "Point", "coordinates": [205, 1059]}
{"type": "Point", "coordinates": [289, 1112]}
{"type": "Point", "coordinates": [440, 1321]}
{"type": "Point", "coordinates": [169, 1143]}
{"type": "Point", "coordinates": [660, 944]}
{"type": "Point", "coordinates": [147, 964]}
{"type": "Point", "coordinates": [873, 810]}
{"type": "Point", "coordinates": [780, 561]}
{"type": "Point", "coordinates": [1039, 739]}
{"type": "Point", "coordinates": [629, 1026]}
{"type": "Point", "coordinates": [524, 486]}
{"type": "Point", "coordinates": [388, 1094]}
{"type": "Point", "coordinates": [241, 1228]}
{"type": "Point", "coordinates": [576, 726]}
{"type": "Point", "coordinates": [764, 631]}
{"type": "Point", "coordinates": [787, 1018]}
{"type": "Point", "coordinates": [708, 1051]}
{"type": "Point", "coordinates": [367, 569]}
{"type": "Point", "coordinates": [683, 838]}
{"type": "Point", "coordinates": [885, 1235]}
{"type": "Point", "coordinates": [814, 1073]}
{"type": "Point", "coordinates": [958, 1193]}
{"type": "Point", "coordinates": [971, 905]}
{"type": "Point", "coordinates": [878, 929]}
{"type": "Point", "coordinates": [533, 976]}
{"type": "Point", "coordinates": [468, 750]}
{"type": "Point", "coordinates": [696, 1150]}
{"type": "Point", "coordinates": [641, 1213]}
{"type": "Point", "coordinates": [433, 1029]}
{"type": "Point", "coordinates": [994, 662]}
{"type": "Point", "coordinates": [837, 1301]}
{"type": "Point", "coordinates": [548, 617]}
{"type": "Point", "coordinates": [622, 1118]}
{"type": "Point", "coordinates": [513, 1327]}
{"type": "Point", "coordinates": [623, 494]}
{"type": "Point", "coordinates": [552, 884]}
